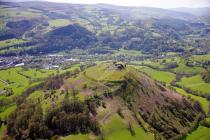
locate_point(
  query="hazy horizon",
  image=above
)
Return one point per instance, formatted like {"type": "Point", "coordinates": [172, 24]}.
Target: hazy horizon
{"type": "Point", "coordinates": [147, 3]}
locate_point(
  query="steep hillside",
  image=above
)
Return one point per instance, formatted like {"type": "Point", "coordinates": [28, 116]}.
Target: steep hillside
{"type": "Point", "coordinates": [66, 38]}
{"type": "Point", "coordinates": [195, 11]}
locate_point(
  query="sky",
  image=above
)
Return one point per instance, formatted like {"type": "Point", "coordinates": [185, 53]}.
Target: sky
{"type": "Point", "coordinates": [147, 3]}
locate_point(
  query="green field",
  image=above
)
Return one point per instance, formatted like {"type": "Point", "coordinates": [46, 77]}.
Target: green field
{"type": "Point", "coordinates": [116, 129]}
{"type": "Point", "coordinates": [14, 13]}
{"type": "Point", "coordinates": [127, 52]}
{"type": "Point", "coordinates": [18, 79]}
{"type": "Point", "coordinates": [183, 69]}
{"type": "Point", "coordinates": [2, 129]}
{"type": "Point", "coordinates": [200, 58]}
{"type": "Point", "coordinates": [59, 22]}
{"type": "Point", "coordinates": [4, 115]}
{"type": "Point", "coordinates": [103, 72]}
{"type": "Point", "coordinates": [162, 76]}
{"type": "Point", "coordinates": [201, 133]}
{"type": "Point", "coordinates": [77, 137]}
{"type": "Point", "coordinates": [11, 42]}
{"type": "Point", "coordinates": [195, 83]}
{"type": "Point", "coordinates": [12, 79]}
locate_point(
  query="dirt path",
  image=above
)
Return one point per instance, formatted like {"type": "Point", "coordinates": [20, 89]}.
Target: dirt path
{"type": "Point", "coordinates": [106, 117]}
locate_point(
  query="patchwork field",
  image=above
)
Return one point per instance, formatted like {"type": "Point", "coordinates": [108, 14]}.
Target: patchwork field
{"type": "Point", "coordinates": [18, 79]}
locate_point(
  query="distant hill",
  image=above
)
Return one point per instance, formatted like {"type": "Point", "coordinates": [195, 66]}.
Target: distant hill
{"type": "Point", "coordinates": [195, 11]}
{"type": "Point", "coordinates": [105, 27]}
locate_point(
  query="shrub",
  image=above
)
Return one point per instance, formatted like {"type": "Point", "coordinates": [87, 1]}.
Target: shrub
{"type": "Point", "coordinates": [130, 128]}
{"type": "Point", "coordinates": [0, 122]}
{"type": "Point", "coordinates": [71, 117]}
{"type": "Point", "coordinates": [205, 123]}
{"type": "Point", "coordinates": [119, 111]}
{"type": "Point", "coordinates": [206, 76]}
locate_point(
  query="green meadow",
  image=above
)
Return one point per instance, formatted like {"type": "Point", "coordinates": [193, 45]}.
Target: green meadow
{"type": "Point", "coordinates": [11, 42]}
{"type": "Point", "coordinates": [2, 129]}
{"type": "Point", "coordinates": [183, 69]}
{"type": "Point", "coordinates": [77, 137]}
{"type": "Point", "coordinates": [6, 13]}
{"type": "Point", "coordinates": [117, 129]}
{"type": "Point", "coordinates": [195, 83]}
{"type": "Point", "coordinates": [162, 76]}
{"type": "Point", "coordinates": [59, 22]}
{"type": "Point", "coordinates": [201, 133]}
{"type": "Point", "coordinates": [5, 114]}
{"type": "Point", "coordinates": [200, 58]}
{"type": "Point", "coordinates": [18, 79]}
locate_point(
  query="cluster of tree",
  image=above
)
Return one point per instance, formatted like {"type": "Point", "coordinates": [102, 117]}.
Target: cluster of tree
{"type": "Point", "coordinates": [177, 79]}
{"type": "Point", "coordinates": [186, 113]}
{"type": "Point", "coordinates": [204, 64]}
{"type": "Point", "coordinates": [137, 39]}
{"type": "Point", "coordinates": [6, 34]}
{"type": "Point", "coordinates": [54, 82]}
{"type": "Point", "coordinates": [0, 122]}
{"type": "Point", "coordinates": [205, 123]}
{"type": "Point", "coordinates": [27, 122]}
{"type": "Point", "coordinates": [171, 65]}
{"type": "Point", "coordinates": [20, 27]}
{"type": "Point", "coordinates": [9, 91]}
{"type": "Point", "coordinates": [166, 24]}
{"type": "Point", "coordinates": [206, 76]}
{"type": "Point", "coordinates": [73, 116]}
{"type": "Point", "coordinates": [20, 99]}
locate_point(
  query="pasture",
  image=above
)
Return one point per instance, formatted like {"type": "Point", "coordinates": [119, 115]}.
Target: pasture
{"type": "Point", "coordinates": [195, 83]}
{"type": "Point", "coordinates": [201, 133]}
{"type": "Point", "coordinates": [11, 42]}
{"type": "Point", "coordinates": [161, 76]}
{"type": "Point", "coordinates": [117, 128]}
{"type": "Point", "coordinates": [59, 22]}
